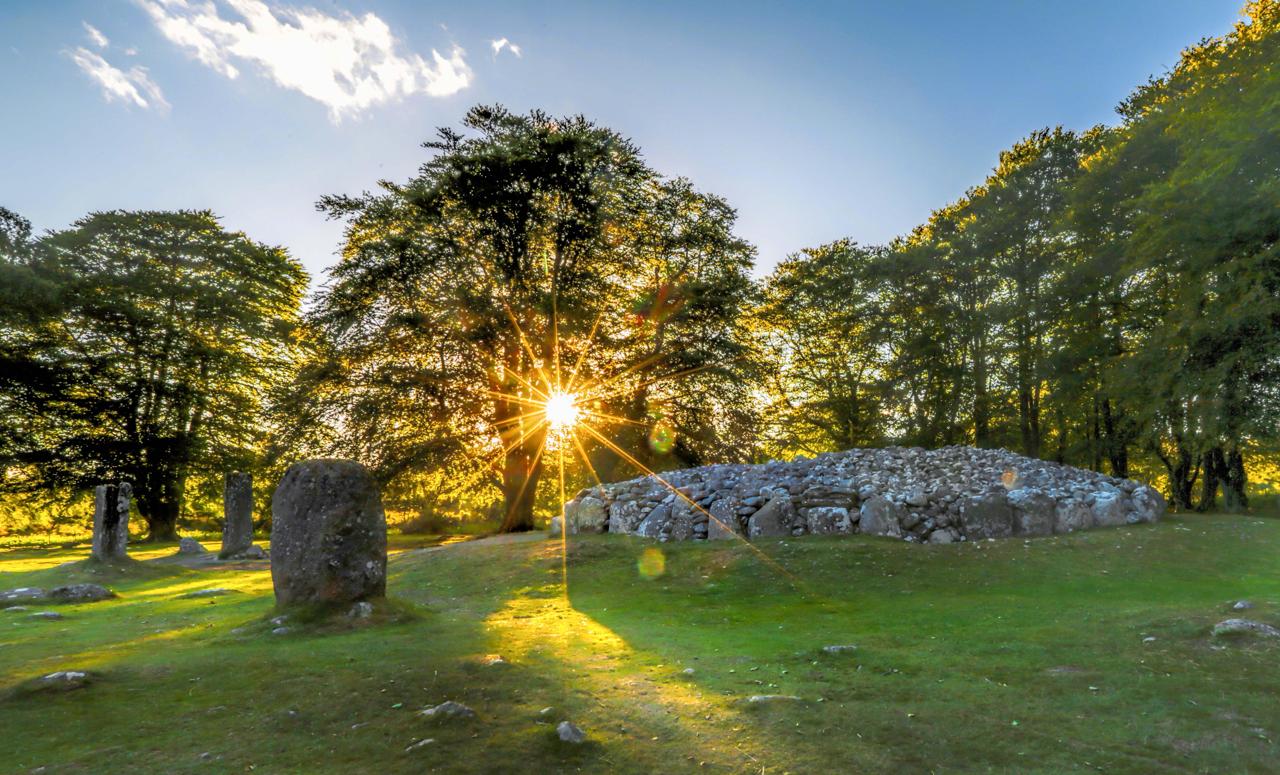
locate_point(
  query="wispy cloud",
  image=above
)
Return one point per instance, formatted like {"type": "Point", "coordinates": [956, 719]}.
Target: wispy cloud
{"type": "Point", "coordinates": [346, 63]}
{"type": "Point", "coordinates": [95, 35]}
{"type": "Point", "coordinates": [133, 86]}
{"type": "Point", "coordinates": [501, 43]}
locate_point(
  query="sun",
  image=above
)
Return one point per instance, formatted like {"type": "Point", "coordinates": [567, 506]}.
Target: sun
{"type": "Point", "coordinates": [562, 411]}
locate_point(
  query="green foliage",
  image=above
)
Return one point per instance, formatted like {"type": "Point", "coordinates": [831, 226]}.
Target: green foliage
{"type": "Point", "coordinates": [1100, 295]}
{"type": "Point", "coordinates": [164, 335]}
{"type": "Point", "coordinates": [530, 254]}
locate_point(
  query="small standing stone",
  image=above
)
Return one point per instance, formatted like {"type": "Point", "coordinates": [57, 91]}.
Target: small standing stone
{"type": "Point", "coordinates": [237, 512]}
{"type": "Point", "coordinates": [191, 546]}
{"type": "Point", "coordinates": [328, 535]}
{"type": "Point", "coordinates": [111, 521]}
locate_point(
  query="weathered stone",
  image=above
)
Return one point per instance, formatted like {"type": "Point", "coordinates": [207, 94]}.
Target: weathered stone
{"type": "Point", "coordinates": [111, 521]}
{"type": "Point", "coordinates": [191, 546]}
{"type": "Point", "coordinates": [943, 536]}
{"type": "Point", "coordinates": [1033, 512]}
{"type": "Point", "coordinates": [828, 520]}
{"type": "Point", "coordinates": [990, 516]}
{"type": "Point", "coordinates": [1072, 515]}
{"type": "Point", "coordinates": [773, 519]}
{"type": "Point", "coordinates": [881, 516]}
{"type": "Point", "coordinates": [199, 594]}
{"type": "Point", "coordinates": [724, 521]}
{"type": "Point", "coordinates": [23, 595]}
{"type": "Point", "coordinates": [1146, 505]}
{"type": "Point", "coordinates": [328, 535]}
{"type": "Point", "coordinates": [1245, 627]}
{"type": "Point", "coordinates": [447, 711]}
{"type": "Point", "coordinates": [80, 593]}
{"type": "Point", "coordinates": [237, 513]}
{"type": "Point", "coordinates": [650, 526]}
{"type": "Point", "coordinates": [570, 733]}
{"type": "Point", "coordinates": [1108, 509]}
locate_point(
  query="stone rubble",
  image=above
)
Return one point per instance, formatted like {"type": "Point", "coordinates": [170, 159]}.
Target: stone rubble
{"type": "Point", "coordinates": [925, 496]}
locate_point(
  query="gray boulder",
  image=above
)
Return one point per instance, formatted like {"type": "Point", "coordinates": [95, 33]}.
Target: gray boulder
{"type": "Point", "coordinates": [773, 519]}
{"type": "Point", "coordinates": [1245, 627]}
{"type": "Point", "coordinates": [1072, 515]}
{"type": "Point", "coordinates": [570, 733]}
{"type": "Point", "coordinates": [80, 593]}
{"type": "Point", "coordinates": [724, 521]}
{"type": "Point", "coordinates": [990, 516]}
{"type": "Point", "coordinates": [1034, 512]}
{"type": "Point", "coordinates": [328, 535]}
{"type": "Point", "coordinates": [881, 516]}
{"type": "Point", "coordinates": [1108, 509]}
{"type": "Point", "coordinates": [191, 546]}
{"type": "Point", "coordinates": [23, 595]}
{"type": "Point", "coordinates": [1145, 505]}
{"type": "Point", "coordinates": [828, 520]}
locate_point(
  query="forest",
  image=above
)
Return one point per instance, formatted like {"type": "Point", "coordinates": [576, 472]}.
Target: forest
{"type": "Point", "coordinates": [1108, 297]}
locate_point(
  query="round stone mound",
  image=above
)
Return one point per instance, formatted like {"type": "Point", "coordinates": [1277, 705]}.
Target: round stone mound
{"type": "Point", "coordinates": [328, 535]}
{"type": "Point", "coordinates": [937, 496]}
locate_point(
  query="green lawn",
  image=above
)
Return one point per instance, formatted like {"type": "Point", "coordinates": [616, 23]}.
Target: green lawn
{"type": "Point", "coordinates": [992, 657]}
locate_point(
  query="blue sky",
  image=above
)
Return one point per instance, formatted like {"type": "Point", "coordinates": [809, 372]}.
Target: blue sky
{"type": "Point", "coordinates": [816, 120]}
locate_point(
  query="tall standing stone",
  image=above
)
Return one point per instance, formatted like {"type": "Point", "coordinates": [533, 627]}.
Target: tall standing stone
{"type": "Point", "coordinates": [237, 513]}
{"type": "Point", "coordinates": [111, 521]}
{"type": "Point", "coordinates": [328, 534]}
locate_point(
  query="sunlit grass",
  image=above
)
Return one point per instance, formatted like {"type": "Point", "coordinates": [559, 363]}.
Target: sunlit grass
{"type": "Point", "coordinates": [954, 644]}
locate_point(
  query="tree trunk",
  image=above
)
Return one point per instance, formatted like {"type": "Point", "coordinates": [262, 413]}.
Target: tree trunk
{"type": "Point", "coordinates": [1235, 482]}
{"type": "Point", "coordinates": [1214, 467]}
{"type": "Point", "coordinates": [1117, 449]}
{"type": "Point", "coordinates": [158, 502]}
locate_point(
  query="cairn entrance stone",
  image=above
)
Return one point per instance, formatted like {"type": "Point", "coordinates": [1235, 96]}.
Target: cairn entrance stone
{"type": "Point", "coordinates": [111, 521]}
{"type": "Point", "coordinates": [328, 535]}
{"type": "Point", "coordinates": [237, 512]}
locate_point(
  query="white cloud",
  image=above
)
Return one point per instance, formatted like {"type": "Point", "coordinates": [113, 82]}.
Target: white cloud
{"type": "Point", "coordinates": [501, 43]}
{"type": "Point", "coordinates": [344, 62]}
{"type": "Point", "coordinates": [95, 35]}
{"type": "Point", "coordinates": [132, 87]}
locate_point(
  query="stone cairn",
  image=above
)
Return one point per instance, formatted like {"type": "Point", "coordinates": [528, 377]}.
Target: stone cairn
{"type": "Point", "coordinates": [328, 535]}
{"type": "Point", "coordinates": [237, 512]}
{"type": "Point", "coordinates": [111, 521]}
{"type": "Point", "coordinates": [936, 496]}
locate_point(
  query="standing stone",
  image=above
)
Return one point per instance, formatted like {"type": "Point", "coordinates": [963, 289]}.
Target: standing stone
{"type": "Point", "coordinates": [111, 521]}
{"type": "Point", "coordinates": [237, 513]}
{"type": "Point", "coordinates": [328, 535]}
{"type": "Point", "coordinates": [773, 519]}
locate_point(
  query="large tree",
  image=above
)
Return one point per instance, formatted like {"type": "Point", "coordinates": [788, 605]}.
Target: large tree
{"type": "Point", "coordinates": [530, 255]}
{"type": "Point", "coordinates": [169, 331]}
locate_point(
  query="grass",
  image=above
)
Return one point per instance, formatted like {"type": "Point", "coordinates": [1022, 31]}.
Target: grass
{"type": "Point", "coordinates": [991, 657]}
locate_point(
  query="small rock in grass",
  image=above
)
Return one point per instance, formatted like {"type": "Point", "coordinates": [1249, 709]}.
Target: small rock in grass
{"type": "Point", "coordinates": [80, 593]}
{"type": "Point", "coordinates": [419, 744]}
{"type": "Point", "coordinates": [15, 609]}
{"type": "Point", "coordinates": [22, 595]}
{"type": "Point", "coordinates": [282, 631]}
{"type": "Point", "coordinates": [361, 610]}
{"type": "Point", "coordinates": [447, 710]}
{"type": "Point", "coordinates": [494, 660]}
{"type": "Point", "coordinates": [569, 732]}
{"type": "Point", "coordinates": [761, 699]}
{"type": "Point", "coordinates": [1149, 639]}
{"type": "Point", "coordinates": [688, 671]}
{"type": "Point", "coordinates": [1245, 627]}
{"type": "Point", "coordinates": [62, 680]}
{"type": "Point", "coordinates": [547, 711]}
{"type": "Point", "coordinates": [202, 593]}
{"type": "Point", "coordinates": [1242, 605]}
{"type": "Point", "coordinates": [46, 615]}
{"type": "Point", "coordinates": [839, 649]}
{"type": "Point", "coordinates": [279, 621]}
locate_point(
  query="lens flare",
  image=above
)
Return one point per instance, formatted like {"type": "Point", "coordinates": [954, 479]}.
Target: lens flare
{"type": "Point", "coordinates": [562, 411]}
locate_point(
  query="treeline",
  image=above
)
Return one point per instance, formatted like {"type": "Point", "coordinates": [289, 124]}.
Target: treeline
{"type": "Point", "coordinates": [1107, 298]}
{"type": "Point", "coordinates": [1101, 295]}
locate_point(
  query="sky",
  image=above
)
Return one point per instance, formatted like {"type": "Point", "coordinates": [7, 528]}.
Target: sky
{"type": "Point", "coordinates": [815, 120]}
